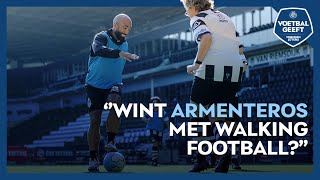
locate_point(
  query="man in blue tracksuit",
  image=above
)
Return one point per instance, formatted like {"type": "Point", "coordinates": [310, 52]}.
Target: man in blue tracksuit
{"type": "Point", "coordinates": [108, 55]}
{"type": "Point", "coordinates": [155, 126]}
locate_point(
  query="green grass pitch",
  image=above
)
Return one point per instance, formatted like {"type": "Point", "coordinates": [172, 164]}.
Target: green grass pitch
{"type": "Point", "coordinates": [161, 169]}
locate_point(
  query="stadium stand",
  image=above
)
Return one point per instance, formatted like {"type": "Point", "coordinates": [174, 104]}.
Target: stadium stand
{"type": "Point", "coordinates": [260, 28]}
{"type": "Point", "coordinates": [29, 85]}
{"type": "Point", "coordinates": [167, 57]}
{"type": "Point", "coordinates": [42, 124]}
{"type": "Point", "coordinates": [67, 133]}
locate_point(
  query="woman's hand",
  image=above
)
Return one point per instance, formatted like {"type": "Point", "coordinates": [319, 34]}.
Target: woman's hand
{"type": "Point", "coordinates": [191, 69]}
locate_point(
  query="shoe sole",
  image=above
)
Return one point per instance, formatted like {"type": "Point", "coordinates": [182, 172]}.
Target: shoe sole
{"type": "Point", "coordinates": [93, 171]}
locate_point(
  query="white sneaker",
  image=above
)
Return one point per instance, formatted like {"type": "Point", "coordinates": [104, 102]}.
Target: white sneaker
{"type": "Point", "coordinates": [110, 148]}
{"type": "Point", "coordinates": [93, 165]}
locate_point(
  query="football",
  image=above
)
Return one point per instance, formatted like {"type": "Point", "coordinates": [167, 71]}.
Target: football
{"type": "Point", "coordinates": [114, 162]}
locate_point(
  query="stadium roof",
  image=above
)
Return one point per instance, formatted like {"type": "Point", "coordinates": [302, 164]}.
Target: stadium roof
{"type": "Point", "coordinates": [48, 34]}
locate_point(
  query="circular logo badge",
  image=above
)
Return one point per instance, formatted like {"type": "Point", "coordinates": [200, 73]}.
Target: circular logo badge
{"type": "Point", "coordinates": [293, 15]}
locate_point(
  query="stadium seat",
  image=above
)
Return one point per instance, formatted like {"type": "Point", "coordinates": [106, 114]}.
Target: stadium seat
{"type": "Point", "coordinates": [67, 133]}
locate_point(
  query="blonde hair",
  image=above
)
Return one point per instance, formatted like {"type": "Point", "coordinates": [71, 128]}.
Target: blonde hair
{"type": "Point", "coordinates": [200, 5]}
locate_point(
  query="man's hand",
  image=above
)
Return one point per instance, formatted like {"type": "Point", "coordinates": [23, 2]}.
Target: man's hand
{"type": "Point", "coordinates": [244, 61]}
{"type": "Point", "coordinates": [191, 69]}
{"type": "Point", "coordinates": [128, 56]}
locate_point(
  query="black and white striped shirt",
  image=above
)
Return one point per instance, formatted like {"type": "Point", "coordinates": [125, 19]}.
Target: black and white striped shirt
{"type": "Point", "coordinates": [222, 60]}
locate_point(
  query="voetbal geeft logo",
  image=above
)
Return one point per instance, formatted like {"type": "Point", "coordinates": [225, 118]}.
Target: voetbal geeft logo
{"type": "Point", "coordinates": [293, 26]}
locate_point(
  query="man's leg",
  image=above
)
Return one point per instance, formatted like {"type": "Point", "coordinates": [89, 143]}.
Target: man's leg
{"type": "Point", "coordinates": [95, 105]}
{"type": "Point", "coordinates": [155, 148]}
{"type": "Point", "coordinates": [93, 134]}
{"type": "Point", "coordinates": [113, 123]}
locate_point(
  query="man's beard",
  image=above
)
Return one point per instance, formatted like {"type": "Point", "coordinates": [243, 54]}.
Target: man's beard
{"type": "Point", "coordinates": [118, 35]}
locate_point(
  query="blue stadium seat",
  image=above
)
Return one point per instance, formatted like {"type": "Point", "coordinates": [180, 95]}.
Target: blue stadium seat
{"type": "Point", "coordinates": [68, 133]}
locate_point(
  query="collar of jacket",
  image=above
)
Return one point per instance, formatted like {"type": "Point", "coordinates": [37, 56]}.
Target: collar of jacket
{"type": "Point", "coordinates": [117, 42]}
